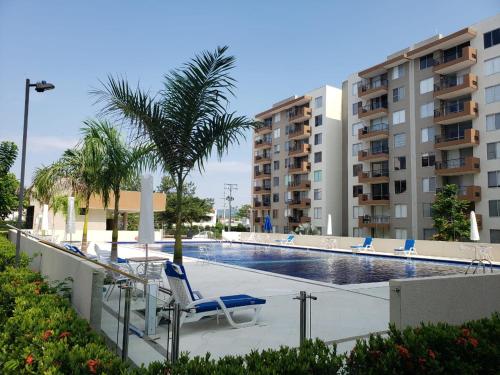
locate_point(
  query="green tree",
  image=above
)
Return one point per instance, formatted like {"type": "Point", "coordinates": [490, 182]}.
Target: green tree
{"type": "Point", "coordinates": [8, 154]}
{"type": "Point", "coordinates": [450, 215]}
{"type": "Point", "coordinates": [8, 181]}
{"type": "Point", "coordinates": [244, 212]}
{"type": "Point", "coordinates": [186, 121]}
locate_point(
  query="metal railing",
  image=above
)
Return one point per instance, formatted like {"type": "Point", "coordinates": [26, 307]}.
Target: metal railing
{"type": "Point", "coordinates": [374, 197]}
{"type": "Point", "coordinates": [367, 85]}
{"type": "Point", "coordinates": [367, 219]}
{"type": "Point", "coordinates": [373, 106]}
{"type": "Point", "coordinates": [451, 163]}
{"type": "Point", "coordinates": [374, 128]}
{"type": "Point", "coordinates": [375, 173]}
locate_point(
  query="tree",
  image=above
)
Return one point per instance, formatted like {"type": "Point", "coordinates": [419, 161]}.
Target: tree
{"type": "Point", "coordinates": [8, 181]}
{"type": "Point", "coordinates": [450, 215]}
{"type": "Point", "coordinates": [244, 212]}
{"type": "Point", "coordinates": [186, 121]}
{"type": "Point", "coordinates": [121, 162]}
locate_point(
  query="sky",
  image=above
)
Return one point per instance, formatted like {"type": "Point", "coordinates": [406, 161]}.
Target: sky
{"type": "Point", "coordinates": [282, 48]}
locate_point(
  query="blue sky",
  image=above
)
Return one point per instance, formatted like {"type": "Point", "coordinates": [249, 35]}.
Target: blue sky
{"type": "Point", "coordinates": [282, 48]}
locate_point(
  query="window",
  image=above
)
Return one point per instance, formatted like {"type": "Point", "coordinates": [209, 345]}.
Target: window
{"type": "Point", "coordinates": [427, 134]}
{"type": "Point", "coordinates": [398, 117]}
{"type": "Point", "coordinates": [494, 179]}
{"type": "Point", "coordinates": [356, 147]}
{"type": "Point", "coordinates": [494, 235]}
{"type": "Point", "coordinates": [318, 102]}
{"type": "Point", "coordinates": [287, 162]}
{"type": "Point", "coordinates": [427, 110]}
{"type": "Point", "coordinates": [318, 157]}
{"type": "Point", "coordinates": [400, 210]}
{"type": "Point", "coordinates": [399, 140]}
{"type": "Point", "coordinates": [357, 190]}
{"type": "Point", "coordinates": [318, 120]}
{"type": "Point", "coordinates": [429, 184]}
{"type": "Point", "coordinates": [317, 194]}
{"type": "Point", "coordinates": [493, 94]}
{"type": "Point", "coordinates": [426, 61]}
{"type": "Point", "coordinates": [276, 149]}
{"type": "Point", "coordinates": [493, 122]}
{"type": "Point", "coordinates": [276, 181]}
{"type": "Point", "coordinates": [357, 211]}
{"type": "Point", "coordinates": [354, 89]}
{"type": "Point", "coordinates": [398, 71]}
{"type": "Point", "coordinates": [494, 206]}
{"type": "Point", "coordinates": [492, 66]}
{"type": "Point", "coordinates": [427, 209]}
{"type": "Point", "coordinates": [399, 163]}
{"type": "Point", "coordinates": [401, 234]}
{"type": "Point", "coordinates": [356, 168]}
{"type": "Point", "coordinates": [275, 214]}
{"type": "Point", "coordinates": [276, 197]}
{"type": "Point", "coordinates": [277, 133]}
{"type": "Point", "coordinates": [399, 186]}
{"type": "Point", "coordinates": [493, 150]}
{"type": "Point", "coordinates": [277, 117]}
{"type": "Point", "coordinates": [317, 176]}
{"type": "Point", "coordinates": [491, 38]}
{"type": "Point", "coordinates": [428, 160]}
{"type": "Point", "coordinates": [355, 107]}
{"type": "Point", "coordinates": [276, 165]}
{"type": "Point", "coordinates": [398, 94]}
{"type": "Point", "coordinates": [318, 139]}
{"type": "Point", "coordinates": [317, 212]}
{"type": "Point", "coordinates": [356, 127]}
{"type": "Point", "coordinates": [427, 85]}
{"type": "Point", "coordinates": [429, 233]}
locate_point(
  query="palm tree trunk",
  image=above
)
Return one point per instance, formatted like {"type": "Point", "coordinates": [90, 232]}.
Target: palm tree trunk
{"type": "Point", "coordinates": [114, 235]}
{"type": "Point", "coordinates": [85, 223]}
{"type": "Point", "coordinates": [178, 223]}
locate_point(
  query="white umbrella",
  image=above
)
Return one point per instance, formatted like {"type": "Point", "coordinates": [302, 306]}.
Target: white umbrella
{"type": "Point", "coordinates": [329, 230]}
{"type": "Point", "coordinates": [70, 219]}
{"type": "Point", "coordinates": [146, 223]}
{"type": "Point", "coordinates": [474, 231]}
{"type": "Point", "coordinates": [45, 218]}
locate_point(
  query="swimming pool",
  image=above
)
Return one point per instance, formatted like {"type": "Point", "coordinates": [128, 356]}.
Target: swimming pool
{"type": "Point", "coordinates": [330, 267]}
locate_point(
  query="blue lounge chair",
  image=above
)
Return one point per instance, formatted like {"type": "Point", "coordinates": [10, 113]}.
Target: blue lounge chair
{"type": "Point", "coordinates": [366, 246]}
{"type": "Point", "coordinates": [287, 241]}
{"type": "Point", "coordinates": [195, 308]}
{"type": "Point", "coordinates": [74, 249]}
{"type": "Point", "coordinates": [408, 249]}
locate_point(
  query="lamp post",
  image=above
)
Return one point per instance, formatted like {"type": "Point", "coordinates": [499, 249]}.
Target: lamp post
{"type": "Point", "coordinates": [39, 87]}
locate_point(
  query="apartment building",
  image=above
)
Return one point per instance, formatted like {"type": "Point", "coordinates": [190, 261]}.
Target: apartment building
{"type": "Point", "coordinates": [297, 159]}
{"type": "Point", "coordinates": [427, 116]}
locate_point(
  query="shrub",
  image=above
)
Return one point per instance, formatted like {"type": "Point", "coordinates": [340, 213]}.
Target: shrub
{"type": "Point", "coordinates": [8, 254]}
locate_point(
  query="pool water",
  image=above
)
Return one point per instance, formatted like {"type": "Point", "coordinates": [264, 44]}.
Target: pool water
{"type": "Point", "coordinates": [330, 267]}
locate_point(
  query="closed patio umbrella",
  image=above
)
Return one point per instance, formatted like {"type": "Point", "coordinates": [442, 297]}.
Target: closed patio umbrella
{"type": "Point", "coordinates": [474, 231]}
{"type": "Point", "coordinates": [70, 219]}
{"type": "Point", "coordinates": [146, 223]}
{"type": "Point", "coordinates": [329, 230]}
{"type": "Point", "coordinates": [268, 226]}
{"type": "Point", "coordinates": [45, 219]}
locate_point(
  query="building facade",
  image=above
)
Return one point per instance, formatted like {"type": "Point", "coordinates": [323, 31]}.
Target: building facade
{"type": "Point", "coordinates": [297, 163]}
{"type": "Point", "coordinates": [427, 116]}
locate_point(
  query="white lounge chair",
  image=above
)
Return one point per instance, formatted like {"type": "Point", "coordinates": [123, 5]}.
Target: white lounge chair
{"type": "Point", "coordinates": [408, 249]}
{"type": "Point", "coordinates": [195, 308]}
{"type": "Point", "coordinates": [366, 245]}
{"type": "Point", "coordinates": [287, 241]}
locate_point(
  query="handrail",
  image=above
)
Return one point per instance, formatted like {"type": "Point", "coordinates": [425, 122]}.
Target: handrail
{"type": "Point", "coordinates": [375, 128]}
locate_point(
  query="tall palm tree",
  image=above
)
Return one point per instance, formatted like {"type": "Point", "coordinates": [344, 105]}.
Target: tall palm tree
{"type": "Point", "coordinates": [186, 121]}
{"type": "Point", "coordinates": [121, 162]}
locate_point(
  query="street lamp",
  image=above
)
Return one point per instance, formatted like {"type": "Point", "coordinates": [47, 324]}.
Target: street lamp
{"type": "Point", "coordinates": [39, 87]}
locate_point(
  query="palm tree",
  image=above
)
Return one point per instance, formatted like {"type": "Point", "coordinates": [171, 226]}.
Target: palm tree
{"type": "Point", "coordinates": [186, 121]}
{"type": "Point", "coordinates": [121, 162]}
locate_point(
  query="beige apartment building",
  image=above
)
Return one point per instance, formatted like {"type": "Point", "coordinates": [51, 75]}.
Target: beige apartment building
{"type": "Point", "coordinates": [297, 163]}
{"type": "Point", "coordinates": [427, 116]}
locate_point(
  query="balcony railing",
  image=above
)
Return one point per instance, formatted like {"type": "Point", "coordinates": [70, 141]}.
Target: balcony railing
{"type": "Point", "coordinates": [468, 138]}
{"type": "Point", "coordinates": [299, 219]}
{"type": "Point", "coordinates": [454, 112]}
{"type": "Point", "coordinates": [299, 114]}
{"type": "Point", "coordinates": [372, 110]}
{"type": "Point", "coordinates": [299, 203]}
{"type": "Point", "coordinates": [263, 143]}
{"type": "Point", "coordinates": [374, 200]}
{"type": "Point", "coordinates": [262, 158]}
{"type": "Point", "coordinates": [367, 89]}
{"type": "Point", "coordinates": [304, 167]}
{"type": "Point", "coordinates": [376, 131]}
{"type": "Point", "coordinates": [452, 87]}
{"type": "Point", "coordinates": [379, 153]}
{"type": "Point", "coordinates": [299, 150]}
{"type": "Point", "coordinates": [375, 176]}
{"type": "Point", "coordinates": [458, 166]}
{"type": "Point", "coordinates": [263, 129]}
{"type": "Point", "coordinates": [262, 189]}
{"type": "Point", "coordinates": [368, 221]}
{"type": "Point", "coordinates": [302, 131]}
{"type": "Point", "coordinates": [263, 174]}
{"type": "Point", "coordinates": [464, 58]}
{"type": "Point", "coordinates": [470, 193]}
{"type": "Point", "coordinates": [299, 185]}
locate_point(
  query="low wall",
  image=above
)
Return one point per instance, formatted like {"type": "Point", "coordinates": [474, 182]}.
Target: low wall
{"type": "Point", "coordinates": [452, 299]}
{"type": "Point", "coordinates": [456, 250]}
{"type": "Point", "coordinates": [105, 235]}
{"type": "Point", "coordinates": [57, 265]}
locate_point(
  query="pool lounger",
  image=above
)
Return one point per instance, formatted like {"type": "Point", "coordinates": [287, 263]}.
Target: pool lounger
{"type": "Point", "coordinates": [287, 241]}
{"type": "Point", "coordinates": [408, 249]}
{"type": "Point", "coordinates": [195, 309]}
{"type": "Point", "coordinates": [367, 245]}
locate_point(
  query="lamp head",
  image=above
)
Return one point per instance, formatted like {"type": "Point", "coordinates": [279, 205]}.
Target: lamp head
{"type": "Point", "coordinates": [43, 86]}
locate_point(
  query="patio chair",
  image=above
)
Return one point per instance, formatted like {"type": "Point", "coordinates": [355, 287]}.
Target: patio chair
{"type": "Point", "coordinates": [408, 249]}
{"type": "Point", "coordinates": [196, 309]}
{"type": "Point", "coordinates": [366, 245]}
{"type": "Point", "coordinates": [287, 241]}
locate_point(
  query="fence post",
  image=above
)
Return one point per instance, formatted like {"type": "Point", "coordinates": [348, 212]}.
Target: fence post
{"type": "Point", "coordinates": [303, 316]}
{"type": "Point", "coordinates": [151, 298]}
{"type": "Point", "coordinates": [176, 326]}
{"type": "Point", "coordinates": [126, 322]}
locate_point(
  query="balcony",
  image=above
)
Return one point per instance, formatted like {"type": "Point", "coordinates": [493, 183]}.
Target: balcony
{"type": "Point", "coordinates": [469, 138]}
{"type": "Point", "coordinates": [297, 220]}
{"type": "Point", "coordinates": [368, 221]}
{"type": "Point", "coordinates": [299, 114]}
{"type": "Point", "coordinates": [479, 220]}
{"type": "Point", "coordinates": [466, 58]}
{"type": "Point", "coordinates": [304, 167]}
{"type": "Point", "coordinates": [262, 189]}
{"type": "Point", "coordinates": [303, 131]}
{"type": "Point", "coordinates": [371, 111]}
{"type": "Point", "coordinates": [374, 132]}
{"type": "Point", "coordinates": [299, 203]}
{"type": "Point", "coordinates": [264, 129]}
{"type": "Point", "coordinates": [449, 88]}
{"type": "Point", "coordinates": [261, 144]}
{"type": "Point", "coordinates": [469, 193]}
{"type": "Point", "coordinates": [373, 200]}
{"type": "Point", "coordinates": [368, 90]}
{"type": "Point", "coordinates": [301, 150]}
{"type": "Point", "coordinates": [373, 177]}
{"type": "Point", "coordinates": [456, 112]}
{"type": "Point", "coordinates": [455, 167]}
{"type": "Point", "coordinates": [257, 220]}
{"type": "Point", "coordinates": [262, 159]}
{"type": "Point", "coordinates": [378, 154]}
{"type": "Point", "coordinates": [299, 186]}
{"type": "Point", "coordinates": [257, 203]}
{"type": "Point", "coordinates": [266, 203]}
{"type": "Point", "coordinates": [262, 174]}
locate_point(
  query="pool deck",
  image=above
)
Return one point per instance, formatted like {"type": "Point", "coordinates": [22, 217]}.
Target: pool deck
{"type": "Point", "coordinates": [340, 311]}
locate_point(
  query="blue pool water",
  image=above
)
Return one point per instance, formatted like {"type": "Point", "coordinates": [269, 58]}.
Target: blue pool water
{"type": "Point", "coordinates": [336, 268]}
